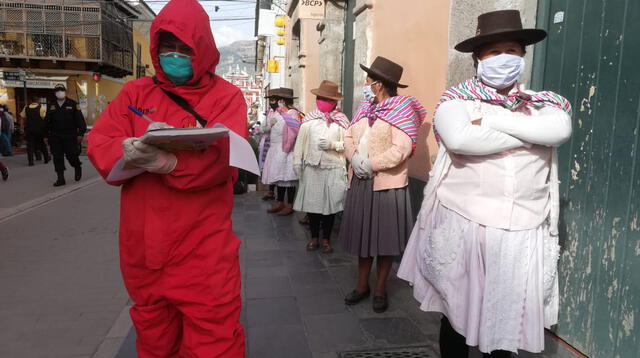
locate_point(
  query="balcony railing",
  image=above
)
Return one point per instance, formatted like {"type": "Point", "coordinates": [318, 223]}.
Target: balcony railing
{"type": "Point", "coordinates": [69, 30]}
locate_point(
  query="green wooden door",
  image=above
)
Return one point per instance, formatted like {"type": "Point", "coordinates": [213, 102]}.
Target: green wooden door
{"type": "Point", "coordinates": [592, 57]}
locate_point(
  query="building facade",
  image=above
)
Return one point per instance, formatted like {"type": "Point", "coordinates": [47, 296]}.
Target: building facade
{"type": "Point", "coordinates": [270, 29]}
{"type": "Point", "coordinates": [251, 86]}
{"type": "Point", "coordinates": [86, 45]}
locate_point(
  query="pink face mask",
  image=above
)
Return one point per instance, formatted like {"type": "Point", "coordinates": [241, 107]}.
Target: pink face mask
{"type": "Point", "coordinates": [326, 106]}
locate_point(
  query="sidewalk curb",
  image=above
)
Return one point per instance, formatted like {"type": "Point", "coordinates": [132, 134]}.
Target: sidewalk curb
{"type": "Point", "coordinates": [17, 210]}
{"type": "Point", "coordinates": [116, 336]}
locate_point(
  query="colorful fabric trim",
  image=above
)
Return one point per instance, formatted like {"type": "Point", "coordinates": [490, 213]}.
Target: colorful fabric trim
{"type": "Point", "coordinates": [402, 112]}
{"type": "Point", "coordinates": [290, 132]}
{"type": "Point", "coordinates": [473, 89]}
{"type": "Point", "coordinates": [292, 119]}
{"type": "Point", "coordinates": [335, 116]}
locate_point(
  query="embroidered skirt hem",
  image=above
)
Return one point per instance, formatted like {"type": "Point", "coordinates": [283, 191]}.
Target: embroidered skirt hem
{"type": "Point", "coordinates": [498, 288]}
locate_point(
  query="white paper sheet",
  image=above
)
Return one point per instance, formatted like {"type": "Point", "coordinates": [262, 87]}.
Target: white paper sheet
{"type": "Point", "coordinates": [118, 172]}
{"type": "Point", "coordinates": [241, 156]}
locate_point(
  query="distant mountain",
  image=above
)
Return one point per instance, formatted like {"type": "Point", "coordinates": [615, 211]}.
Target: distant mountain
{"type": "Point", "coordinates": [234, 54]}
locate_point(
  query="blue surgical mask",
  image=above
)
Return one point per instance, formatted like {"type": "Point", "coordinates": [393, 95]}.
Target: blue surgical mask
{"type": "Point", "coordinates": [176, 66]}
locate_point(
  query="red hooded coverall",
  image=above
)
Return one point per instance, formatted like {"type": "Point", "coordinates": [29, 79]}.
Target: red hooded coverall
{"type": "Point", "coordinates": [178, 254]}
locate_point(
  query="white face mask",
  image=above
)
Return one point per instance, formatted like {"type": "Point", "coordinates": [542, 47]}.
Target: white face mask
{"type": "Point", "coordinates": [501, 71]}
{"type": "Point", "coordinates": [281, 104]}
{"type": "Point", "coordinates": [61, 95]}
{"type": "Point", "coordinates": [367, 93]}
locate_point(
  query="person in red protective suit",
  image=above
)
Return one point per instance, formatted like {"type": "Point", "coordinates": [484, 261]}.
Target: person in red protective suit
{"type": "Point", "coordinates": [178, 254]}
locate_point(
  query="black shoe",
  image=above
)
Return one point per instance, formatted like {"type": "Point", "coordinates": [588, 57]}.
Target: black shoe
{"type": "Point", "coordinates": [380, 303]}
{"type": "Point", "coordinates": [47, 159]}
{"type": "Point", "coordinates": [60, 181]}
{"type": "Point", "coordinates": [354, 297]}
{"type": "Point", "coordinates": [78, 173]}
{"type": "Point", "coordinates": [5, 173]}
{"type": "Point", "coordinates": [31, 164]}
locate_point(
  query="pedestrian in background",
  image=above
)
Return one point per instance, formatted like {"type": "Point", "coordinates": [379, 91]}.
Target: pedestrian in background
{"type": "Point", "coordinates": [6, 130]}
{"type": "Point", "coordinates": [265, 140]}
{"type": "Point", "coordinates": [65, 129]}
{"type": "Point", "coordinates": [485, 248]}
{"type": "Point", "coordinates": [377, 217]}
{"type": "Point", "coordinates": [320, 164]}
{"type": "Point", "coordinates": [34, 126]}
{"type": "Point", "coordinates": [4, 171]}
{"type": "Point", "coordinates": [278, 166]}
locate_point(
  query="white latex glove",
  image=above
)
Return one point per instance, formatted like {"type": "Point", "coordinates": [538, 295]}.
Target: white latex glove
{"type": "Point", "coordinates": [298, 170]}
{"type": "Point", "coordinates": [324, 144]}
{"type": "Point", "coordinates": [158, 125]}
{"type": "Point", "coordinates": [148, 157]}
{"type": "Point", "coordinates": [366, 167]}
{"type": "Point", "coordinates": [357, 166]}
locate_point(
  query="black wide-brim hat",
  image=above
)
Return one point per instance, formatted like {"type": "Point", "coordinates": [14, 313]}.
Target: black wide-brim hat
{"type": "Point", "coordinates": [385, 70]}
{"type": "Point", "coordinates": [501, 25]}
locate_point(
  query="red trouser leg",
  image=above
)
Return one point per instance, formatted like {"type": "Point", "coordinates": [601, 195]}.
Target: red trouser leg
{"type": "Point", "coordinates": [212, 331]}
{"type": "Point", "coordinates": [159, 330]}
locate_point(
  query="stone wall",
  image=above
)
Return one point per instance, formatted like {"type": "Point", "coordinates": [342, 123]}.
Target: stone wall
{"type": "Point", "coordinates": [462, 25]}
{"type": "Point", "coordinates": [332, 41]}
{"type": "Point", "coordinates": [363, 35]}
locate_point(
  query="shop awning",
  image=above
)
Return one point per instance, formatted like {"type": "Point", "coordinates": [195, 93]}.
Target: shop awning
{"type": "Point", "coordinates": [36, 81]}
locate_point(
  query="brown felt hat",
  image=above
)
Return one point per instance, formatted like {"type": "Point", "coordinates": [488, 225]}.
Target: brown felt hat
{"type": "Point", "coordinates": [271, 92]}
{"type": "Point", "coordinates": [329, 90]}
{"type": "Point", "coordinates": [501, 25]}
{"type": "Point", "coordinates": [280, 92]}
{"type": "Point", "coordinates": [386, 70]}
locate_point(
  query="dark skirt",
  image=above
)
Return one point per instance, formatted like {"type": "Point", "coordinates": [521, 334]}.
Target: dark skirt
{"type": "Point", "coordinates": [375, 223]}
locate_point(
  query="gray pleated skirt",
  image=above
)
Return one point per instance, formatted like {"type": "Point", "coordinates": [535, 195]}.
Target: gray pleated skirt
{"type": "Point", "coordinates": [375, 222]}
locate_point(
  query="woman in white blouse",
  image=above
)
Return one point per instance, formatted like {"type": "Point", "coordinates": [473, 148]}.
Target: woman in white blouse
{"type": "Point", "coordinates": [321, 166]}
{"type": "Point", "coordinates": [484, 250]}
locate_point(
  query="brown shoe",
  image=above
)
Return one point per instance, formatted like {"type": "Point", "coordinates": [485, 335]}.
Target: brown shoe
{"type": "Point", "coordinates": [288, 210]}
{"type": "Point", "coordinates": [326, 247]}
{"type": "Point", "coordinates": [313, 245]}
{"type": "Point", "coordinates": [278, 206]}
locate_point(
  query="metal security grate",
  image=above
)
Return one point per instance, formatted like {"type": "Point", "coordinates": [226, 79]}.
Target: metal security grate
{"type": "Point", "coordinates": [414, 352]}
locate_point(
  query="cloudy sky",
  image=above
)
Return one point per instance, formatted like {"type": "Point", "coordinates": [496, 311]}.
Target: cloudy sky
{"type": "Point", "coordinates": [224, 29]}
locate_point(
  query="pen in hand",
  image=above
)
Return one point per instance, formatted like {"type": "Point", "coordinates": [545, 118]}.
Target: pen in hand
{"type": "Point", "coordinates": [139, 113]}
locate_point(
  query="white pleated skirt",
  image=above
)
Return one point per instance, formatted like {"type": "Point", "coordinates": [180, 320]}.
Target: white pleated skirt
{"type": "Point", "coordinates": [321, 190]}
{"type": "Point", "coordinates": [498, 288]}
